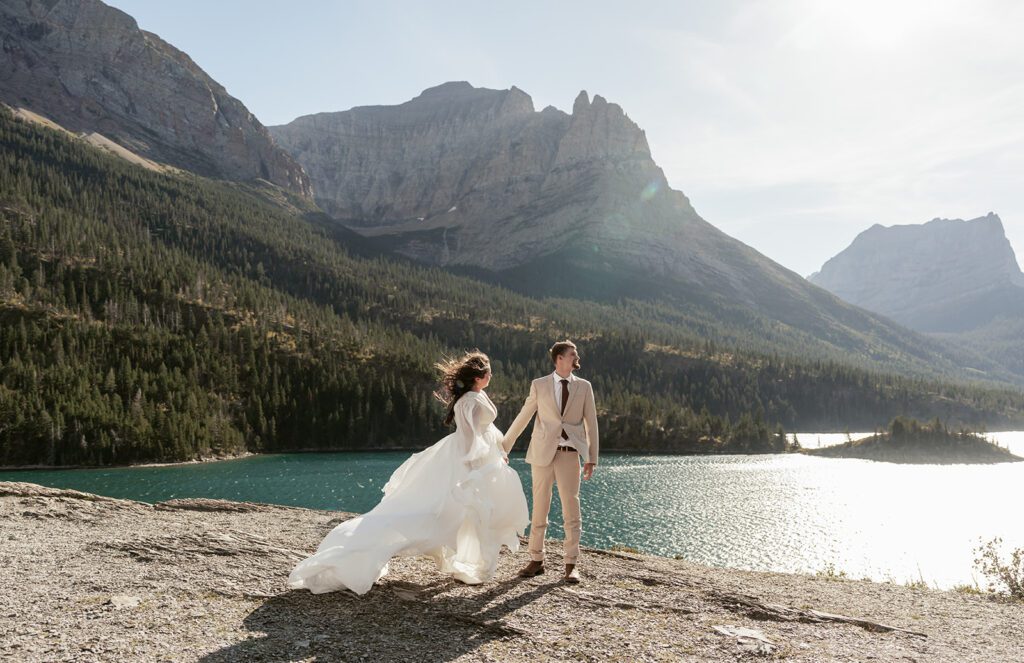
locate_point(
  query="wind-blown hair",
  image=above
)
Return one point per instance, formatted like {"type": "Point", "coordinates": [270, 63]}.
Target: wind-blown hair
{"type": "Point", "coordinates": [457, 377]}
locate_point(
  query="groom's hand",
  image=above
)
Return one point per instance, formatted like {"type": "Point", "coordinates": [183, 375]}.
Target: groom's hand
{"type": "Point", "coordinates": [588, 470]}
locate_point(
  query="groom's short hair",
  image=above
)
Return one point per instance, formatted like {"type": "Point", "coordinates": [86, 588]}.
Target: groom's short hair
{"type": "Point", "coordinates": [560, 348]}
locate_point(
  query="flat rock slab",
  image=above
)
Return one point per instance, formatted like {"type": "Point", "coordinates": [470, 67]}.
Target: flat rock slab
{"type": "Point", "coordinates": [120, 601]}
{"type": "Point", "coordinates": [97, 579]}
{"type": "Point", "coordinates": [748, 639]}
{"type": "Point", "coordinates": [204, 504]}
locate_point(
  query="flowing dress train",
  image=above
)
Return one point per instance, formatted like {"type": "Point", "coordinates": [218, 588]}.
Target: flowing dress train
{"type": "Point", "coordinates": [456, 501]}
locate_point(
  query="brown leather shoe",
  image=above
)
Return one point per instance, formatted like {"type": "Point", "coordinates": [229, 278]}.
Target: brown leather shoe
{"type": "Point", "coordinates": [534, 568]}
{"type": "Point", "coordinates": [572, 576]}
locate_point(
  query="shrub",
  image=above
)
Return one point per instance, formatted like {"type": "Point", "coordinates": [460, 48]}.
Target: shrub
{"type": "Point", "coordinates": [1005, 576]}
{"type": "Point", "coordinates": [831, 573]}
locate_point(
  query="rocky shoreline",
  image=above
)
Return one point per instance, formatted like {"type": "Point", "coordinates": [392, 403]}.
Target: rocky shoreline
{"type": "Point", "coordinates": [91, 578]}
{"type": "Point", "coordinates": [193, 461]}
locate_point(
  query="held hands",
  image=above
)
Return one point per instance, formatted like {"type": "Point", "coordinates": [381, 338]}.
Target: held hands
{"type": "Point", "coordinates": [588, 470]}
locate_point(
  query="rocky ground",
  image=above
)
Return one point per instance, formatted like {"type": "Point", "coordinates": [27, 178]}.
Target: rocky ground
{"type": "Point", "coordinates": [89, 578]}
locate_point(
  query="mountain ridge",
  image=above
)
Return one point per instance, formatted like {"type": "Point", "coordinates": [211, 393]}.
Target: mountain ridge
{"type": "Point", "coordinates": [553, 204]}
{"type": "Point", "coordinates": [89, 68]}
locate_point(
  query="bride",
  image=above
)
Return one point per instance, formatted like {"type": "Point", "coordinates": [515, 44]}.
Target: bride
{"type": "Point", "coordinates": [457, 501]}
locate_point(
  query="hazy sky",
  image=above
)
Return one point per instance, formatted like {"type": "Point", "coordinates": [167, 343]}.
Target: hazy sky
{"type": "Point", "coordinates": [791, 124]}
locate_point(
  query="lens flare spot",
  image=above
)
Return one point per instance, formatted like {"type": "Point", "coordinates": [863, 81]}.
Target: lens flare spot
{"type": "Point", "coordinates": [650, 191]}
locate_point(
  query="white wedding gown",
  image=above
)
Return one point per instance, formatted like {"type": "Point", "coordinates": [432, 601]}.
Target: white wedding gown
{"type": "Point", "coordinates": [457, 501]}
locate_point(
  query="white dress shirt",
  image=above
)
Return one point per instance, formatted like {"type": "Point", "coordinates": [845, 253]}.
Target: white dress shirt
{"type": "Point", "coordinates": [558, 403]}
{"type": "Point", "coordinates": [558, 387]}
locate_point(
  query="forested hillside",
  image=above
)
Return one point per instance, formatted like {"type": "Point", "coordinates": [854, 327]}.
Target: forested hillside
{"type": "Point", "coordinates": [146, 316]}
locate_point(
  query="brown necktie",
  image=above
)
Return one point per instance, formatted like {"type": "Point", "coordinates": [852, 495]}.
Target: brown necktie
{"type": "Point", "coordinates": [565, 401]}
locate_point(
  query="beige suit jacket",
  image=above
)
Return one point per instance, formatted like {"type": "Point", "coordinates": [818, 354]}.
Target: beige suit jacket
{"type": "Point", "coordinates": [579, 421]}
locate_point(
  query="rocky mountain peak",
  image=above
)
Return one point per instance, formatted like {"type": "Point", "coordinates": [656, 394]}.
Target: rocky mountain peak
{"type": "Point", "coordinates": [456, 154]}
{"type": "Point", "coordinates": [914, 273]}
{"type": "Point", "coordinates": [601, 130]}
{"type": "Point", "coordinates": [89, 68]}
{"type": "Point", "coordinates": [518, 101]}
{"type": "Point", "coordinates": [993, 223]}
{"type": "Point", "coordinates": [449, 89]}
{"type": "Point", "coordinates": [461, 93]}
{"type": "Point", "coordinates": [581, 104]}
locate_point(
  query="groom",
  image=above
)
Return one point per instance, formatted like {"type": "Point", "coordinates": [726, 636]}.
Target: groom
{"type": "Point", "coordinates": [565, 431]}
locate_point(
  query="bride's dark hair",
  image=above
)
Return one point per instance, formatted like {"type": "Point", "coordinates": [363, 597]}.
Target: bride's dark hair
{"type": "Point", "coordinates": [457, 377]}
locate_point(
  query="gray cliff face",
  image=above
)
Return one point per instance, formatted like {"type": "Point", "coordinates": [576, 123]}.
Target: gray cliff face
{"type": "Point", "coordinates": [385, 165]}
{"type": "Point", "coordinates": [89, 67]}
{"type": "Point", "coordinates": [944, 275]}
{"type": "Point", "coordinates": [470, 177]}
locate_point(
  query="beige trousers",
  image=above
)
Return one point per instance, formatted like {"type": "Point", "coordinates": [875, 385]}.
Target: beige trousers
{"type": "Point", "coordinates": [565, 471]}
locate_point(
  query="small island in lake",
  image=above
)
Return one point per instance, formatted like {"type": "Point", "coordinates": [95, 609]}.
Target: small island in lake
{"type": "Point", "coordinates": [912, 441]}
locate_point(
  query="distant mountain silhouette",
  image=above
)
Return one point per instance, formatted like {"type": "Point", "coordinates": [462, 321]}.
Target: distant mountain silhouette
{"type": "Point", "coordinates": [958, 280]}
{"type": "Point", "coordinates": [947, 275]}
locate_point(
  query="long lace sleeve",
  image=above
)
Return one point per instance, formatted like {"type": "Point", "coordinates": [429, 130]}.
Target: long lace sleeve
{"type": "Point", "coordinates": [476, 421]}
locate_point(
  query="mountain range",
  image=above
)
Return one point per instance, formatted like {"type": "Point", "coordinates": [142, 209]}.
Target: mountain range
{"type": "Point", "coordinates": [463, 217]}
{"type": "Point", "coordinates": [556, 204]}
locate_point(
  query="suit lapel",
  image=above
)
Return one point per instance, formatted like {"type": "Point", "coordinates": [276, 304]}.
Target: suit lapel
{"type": "Point", "coordinates": [574, 386]}
{"type": "Point", "coordinates": [552, 403]}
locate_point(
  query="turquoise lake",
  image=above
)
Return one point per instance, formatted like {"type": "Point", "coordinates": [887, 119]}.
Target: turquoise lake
{"type": "Point", "coordinates": [776, 512]}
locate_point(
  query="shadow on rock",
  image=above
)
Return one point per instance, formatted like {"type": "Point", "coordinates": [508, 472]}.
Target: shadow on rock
{"type": "Point", "coordinates": [395, 621]}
